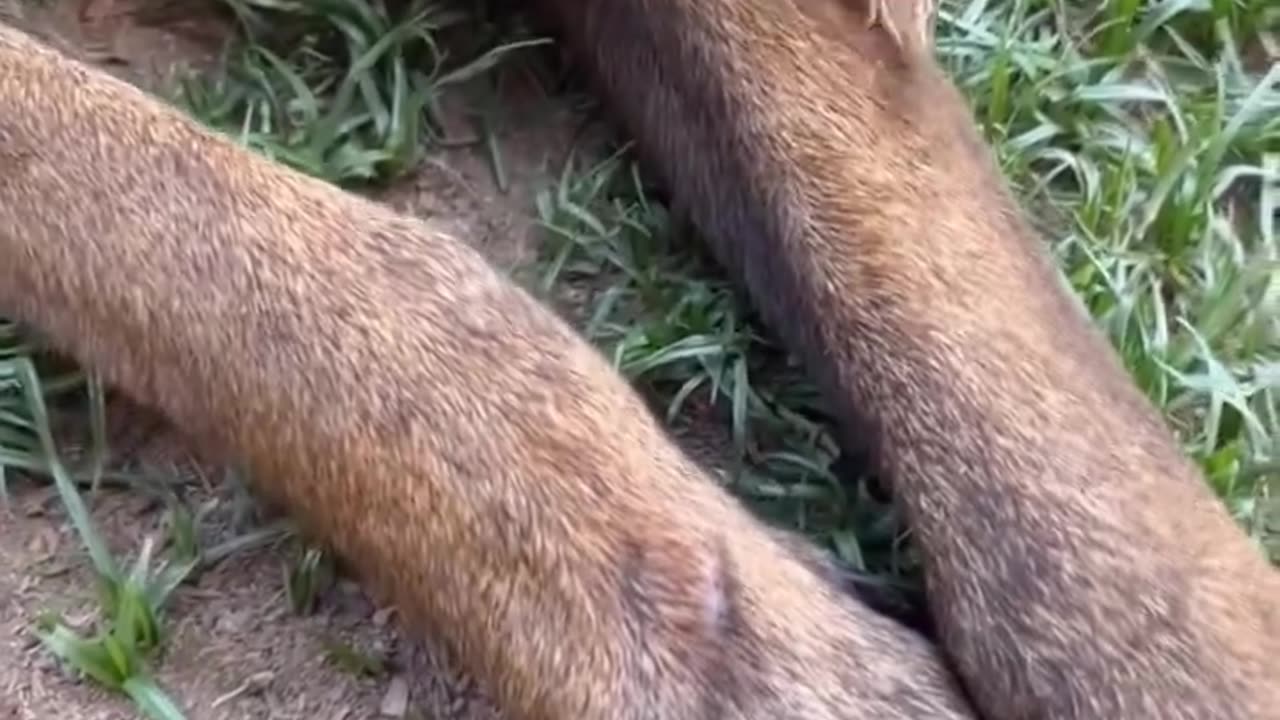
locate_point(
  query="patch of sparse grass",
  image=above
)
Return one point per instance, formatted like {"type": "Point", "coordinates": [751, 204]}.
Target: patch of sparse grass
{"type": "Point", "coordinates": [345, 90]}
{"type": "Point", "coordinates": [117, 650]}
{"type": "Point", "coordinates": [354, 661]}
{"type": "Point", "coordinates": [309, 574]}
{"type": "Point", "coordinates": [130, 603]}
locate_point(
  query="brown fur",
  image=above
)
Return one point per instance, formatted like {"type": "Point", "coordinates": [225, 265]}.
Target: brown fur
{"type": "Point", "coordinates": [578, 564]}
{"type": "Point", "coordinates": [483, 464]}
{"type": "Point", "coordinates": [1078, 566]}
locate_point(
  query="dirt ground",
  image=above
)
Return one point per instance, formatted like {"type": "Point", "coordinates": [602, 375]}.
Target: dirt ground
{"type": "Point", "coordinates": [236, 650]}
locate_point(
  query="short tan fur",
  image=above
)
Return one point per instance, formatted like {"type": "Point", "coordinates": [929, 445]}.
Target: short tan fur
{"type": "Point", "coordinates": [491, 473]}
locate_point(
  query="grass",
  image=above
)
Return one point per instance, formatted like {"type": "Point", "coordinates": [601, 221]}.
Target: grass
{"type": "Point", "coordinates": [344, 89]}
{"type": "Point", "coordinates": [1145, 136]}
